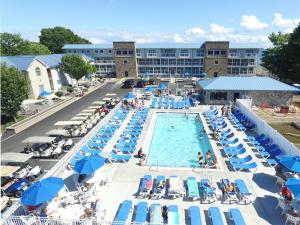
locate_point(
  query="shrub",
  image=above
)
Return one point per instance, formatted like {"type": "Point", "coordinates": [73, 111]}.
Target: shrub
{"type": "Point", "coordinates": [70, 89]}
{"type": "Point", "coordinates": [59, 93]}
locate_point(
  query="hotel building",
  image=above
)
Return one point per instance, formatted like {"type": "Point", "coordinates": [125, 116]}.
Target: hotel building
{"type": "Point", "coordinates": [130, 59]}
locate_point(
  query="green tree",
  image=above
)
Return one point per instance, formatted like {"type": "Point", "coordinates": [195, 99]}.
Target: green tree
{"type": "Point", "coordinates": [14, 44]}
{"type": "Point", "coordinates": [76, 66]}
{"type": "Point", "coordinates": [14, 89]}
{"type": "Point", "coordinates": [55, 38]}
{"type": "Point", "coordinates": [283, 59]}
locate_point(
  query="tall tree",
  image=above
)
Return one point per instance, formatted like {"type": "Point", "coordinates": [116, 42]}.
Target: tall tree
{"type": "Point", "coordinates": [283, 59]}
{"type": "Point", "coordinates": [14, 89]}
{"type": "Point", "coordinates": [76, 66]}
{"type": "Point", "coordinates": [14, 44]}
{"type": "Point", "coordinates": [55, 38]}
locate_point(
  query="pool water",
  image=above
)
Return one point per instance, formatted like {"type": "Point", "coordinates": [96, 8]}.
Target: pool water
{"type": "Point", "coordinates": [175, 141]}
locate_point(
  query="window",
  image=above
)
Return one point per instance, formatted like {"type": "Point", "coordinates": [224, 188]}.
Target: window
{"type": "Point", "coordinates": [96, 51]}
{"type": "Point", "coordinates": [69, 51]}
{"type": "Point", "coordinates": [184, 52]}
{"type": "Point", "coordinates": [217, 52]}
{"type": "Point", "coordinates": [215, 74]}
{"type": "Point", "coordinates": [119, 52]}
{"type": "Point", "coordinates": [126, 73]}
{"type": "Point", "coordinates": [168, 52]}
{"type": "Point", "coordinates": [152, 53]}
{"type": "Point", "coordinates": [218, 96]}
{"type": "Point", "coordinates": [210, 52]}
{"type": "Point", "coordinates": [87, 51]}
{"type": "Point", "coordinates": [199, 52]}
{"type": "Point", "coordinates": [82, 51]}
{"type": "Point", "coordinates": [216, 62]}
{"type": "Point", "coordinates": [38, 71]}
{"type": "Point", "coordinates": [101, 51]}
{"type": "Point", "coordinates": [223, 52]}
{"type": "Point", "coordinates": [138, 52]}
{"type": "Point", "coordinates": [125, 62]}
{"type": "Point", "coordinates": [109, 51]}
{"type": "Point", "coordinates": [124, 52]}
{"type": "Point", "coordinates": [130, 52]}
{"type": "Point", "coordinates": [74, 51]}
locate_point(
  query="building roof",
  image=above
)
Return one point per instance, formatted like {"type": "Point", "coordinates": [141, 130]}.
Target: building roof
{"type": "Point", "coordinates": [252, 83]}
{"type": "Point", "coordinates": [20, 62]}
{"type": "Point", "coordinates": [88, 46]}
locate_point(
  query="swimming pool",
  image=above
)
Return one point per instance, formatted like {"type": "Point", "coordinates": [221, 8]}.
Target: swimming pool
{"type": "Point", "coordinates": [175, 141]}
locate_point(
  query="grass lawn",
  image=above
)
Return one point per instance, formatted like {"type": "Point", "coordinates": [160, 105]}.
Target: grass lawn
{"type": "Point", "coordinates": [284, 128]}
{"type": "Point", "coordinates": [7, 124]}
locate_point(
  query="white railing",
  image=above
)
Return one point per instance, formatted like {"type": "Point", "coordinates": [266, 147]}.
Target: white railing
{"type": "Point", "coordinates": [16, 210]}
{"type": "Point", "coordinates": [263, 127]}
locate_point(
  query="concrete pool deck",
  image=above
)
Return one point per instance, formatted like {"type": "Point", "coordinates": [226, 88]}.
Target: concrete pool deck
{"type": "Point", "coordinates": [125, 179]}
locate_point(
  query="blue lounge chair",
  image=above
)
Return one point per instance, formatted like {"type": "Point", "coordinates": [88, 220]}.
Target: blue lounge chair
{"type": "Point", "coordinates": [248, 166]}
{"type": "Point", "coordinates": [159, 105]}
{"type": "Point", "coordinates": [141, 213]}
{"type": "Point", "coordinates": [209, 193]}
{"type": "Point", "coordinates": [195, 216]}
{"type": "Point", "coordinates": [215, 215]}
{"type": "Point", "coordinates": [230, 195]}
{"type": "Point", "coordinates": [236, 216]}
{"type": "Point", "coordinates": [129, 150]}
{"type": "Point", "coordinates": [229, 142]}
{"type": "Point", "coordinates": [225, 132]}
{"type": "Point", "coordinates": [243, 191]}
{"type": "Point", "coordinates": [192, 188]}
{"type": "Point", "coordinates": [235, 153]}
{"type": "Point", "coordinates": [167, 103]}
{"type": "Point", "coordinates": [159, 186]}
{"type": "Point", "coordinates": [272, 162]}
{"type": "Point", "coordinates": [173, 214]}
{"type": "Point", "coordinates": [85, 149]}
{"type": "Point", "coordinates": [146, 185]}
{"type": "Point", "coordinates": [123, 213]}
{"type": "Point", "coordinates": [247, 159]}
{"type": "Point", "coordinates": [271, 147]}
{"type": "Point", "coordinates": [155, 214]}
{"type": "Point", "coordinates": [234, 148]}
{"type": "Point", "coordinates": [153, 103]}
{"type": "Point", "coordinates": [118, 158]}
{"type": "Point", "coordinates": [275, 153]}
{"type": "Point", "coordinates": [96, 144]}
{"type": "Point", "coordinates": [125, 144]}
{"type": "Point", "coordinates": [227, 136]}
{"type": "Point", "coordinates": [265, 141]}
{"type": "Point", "coordinates": [256, 138]}
{"type": "Point", "coordinates": [102, 139]}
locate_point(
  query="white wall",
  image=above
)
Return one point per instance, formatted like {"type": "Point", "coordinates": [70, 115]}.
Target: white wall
{"type": "Point", "coordinates": [56, 79]}
{"type": "Point", "coordinates": [36, 80]}
{"type": "Point", "coordinates": [285, 145]}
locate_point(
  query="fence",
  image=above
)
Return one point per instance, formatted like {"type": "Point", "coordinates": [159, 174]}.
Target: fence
{"type": "Point", "coordinates": [285, 145]}
{"type": "Point", "coordinates": [16, 214]}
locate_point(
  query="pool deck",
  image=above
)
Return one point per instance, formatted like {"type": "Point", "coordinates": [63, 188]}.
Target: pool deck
{"type": "Point", "coordinates": [124, 180]}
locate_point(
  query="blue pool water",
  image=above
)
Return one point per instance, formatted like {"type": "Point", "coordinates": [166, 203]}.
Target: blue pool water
{"type": "Point", "coordinates": [175, 141]}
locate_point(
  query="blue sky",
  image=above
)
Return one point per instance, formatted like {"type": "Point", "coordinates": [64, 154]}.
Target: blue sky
{"type": "Point", "coordinates": [239, 21]}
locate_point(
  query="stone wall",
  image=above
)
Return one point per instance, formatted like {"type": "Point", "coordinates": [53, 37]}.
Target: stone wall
{"type": "Point", "coordinates": [126, 64]}
{"type": "Point", "coordinates": [210, 66]}
{"type": "Point", "coordinates": [272, 98]}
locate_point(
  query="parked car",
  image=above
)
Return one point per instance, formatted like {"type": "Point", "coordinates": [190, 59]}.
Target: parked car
{"type": "Point", "coordinates": [5, 201]}
{"type": "Point", "coordinates": [11, 185]}
{"type": "Point", "coordinates": [140, 84]}
{"type": "Point", "coordinates": [42, 146]}
{"type": "Point", "coordinates": [129, 83]}
{"type": "Point", "coordinates": [29, 168]}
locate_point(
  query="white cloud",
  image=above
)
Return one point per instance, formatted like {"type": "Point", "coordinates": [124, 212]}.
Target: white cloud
{"type": "Point", "coordinates": [252, 23]}
{"type": "Point", "coordinates": [218, 29]}
{"type": "Point", "coordinates": [178, 38]}
{"type": "Point", "coordinates": [196, 31]}
{"type": "Point", "coordinates": [286, 23]}
{"type": "Point", "coordinates": [97, 40]}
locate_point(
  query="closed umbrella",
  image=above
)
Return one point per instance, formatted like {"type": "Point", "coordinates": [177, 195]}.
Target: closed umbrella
{"type": "Point", "coordinates": [130, 95]}
{"type": "Point", "coordinates": [89, 164]}
{"type": "Point", "coordinates": [291, 162]}
{"type": "Point", "coordinates": [42, 191]}
{"type": "Point", "coordinates": [293, 184]}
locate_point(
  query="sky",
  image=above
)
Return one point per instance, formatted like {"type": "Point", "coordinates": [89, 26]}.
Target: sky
{"type": "Point", "coordinates": [242, 22]}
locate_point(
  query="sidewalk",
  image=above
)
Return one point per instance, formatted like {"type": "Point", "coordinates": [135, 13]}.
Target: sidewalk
{"type": "Point", "coordinates": [28, 122]}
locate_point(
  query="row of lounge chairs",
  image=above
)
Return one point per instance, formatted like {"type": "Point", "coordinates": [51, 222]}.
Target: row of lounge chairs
{"type": "Point", "coordinates": [128, 140]}
{"type": "Point", "coordinates": [142, 214]}
{"type": "Point", "coordinates": [170, 103]}
{"type": "Point", "coordinates": [101, 137]}
{"type": "Point", "coordinates": [231, 144]}
{"type": "Point", "coordinates": [205, 191]}
{"type": "Point", "coordinates": [237, 118]}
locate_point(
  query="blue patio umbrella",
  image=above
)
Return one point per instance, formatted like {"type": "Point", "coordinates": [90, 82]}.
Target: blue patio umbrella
{"type": "Point", "coordinates": [130, 95]}
{"type": "Point", "coordinates": [186, 74]}
{"type": "Point", "coordinates": [204, 74]}
{"type": "Point", "coordinates": [293, 184]}
{"type": "Point", "coordinates": [150, 89]}
{"type": "Point", "coordinates": [291, 162]}
{"type": "Point", "coordinates": [89, 164]}
{"type": "Point", "coordinates": [45, 93]}
{"type": "Point", "coordinates": [42, 191]}
{"type": "Point", "coordinates": [162, 86]}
